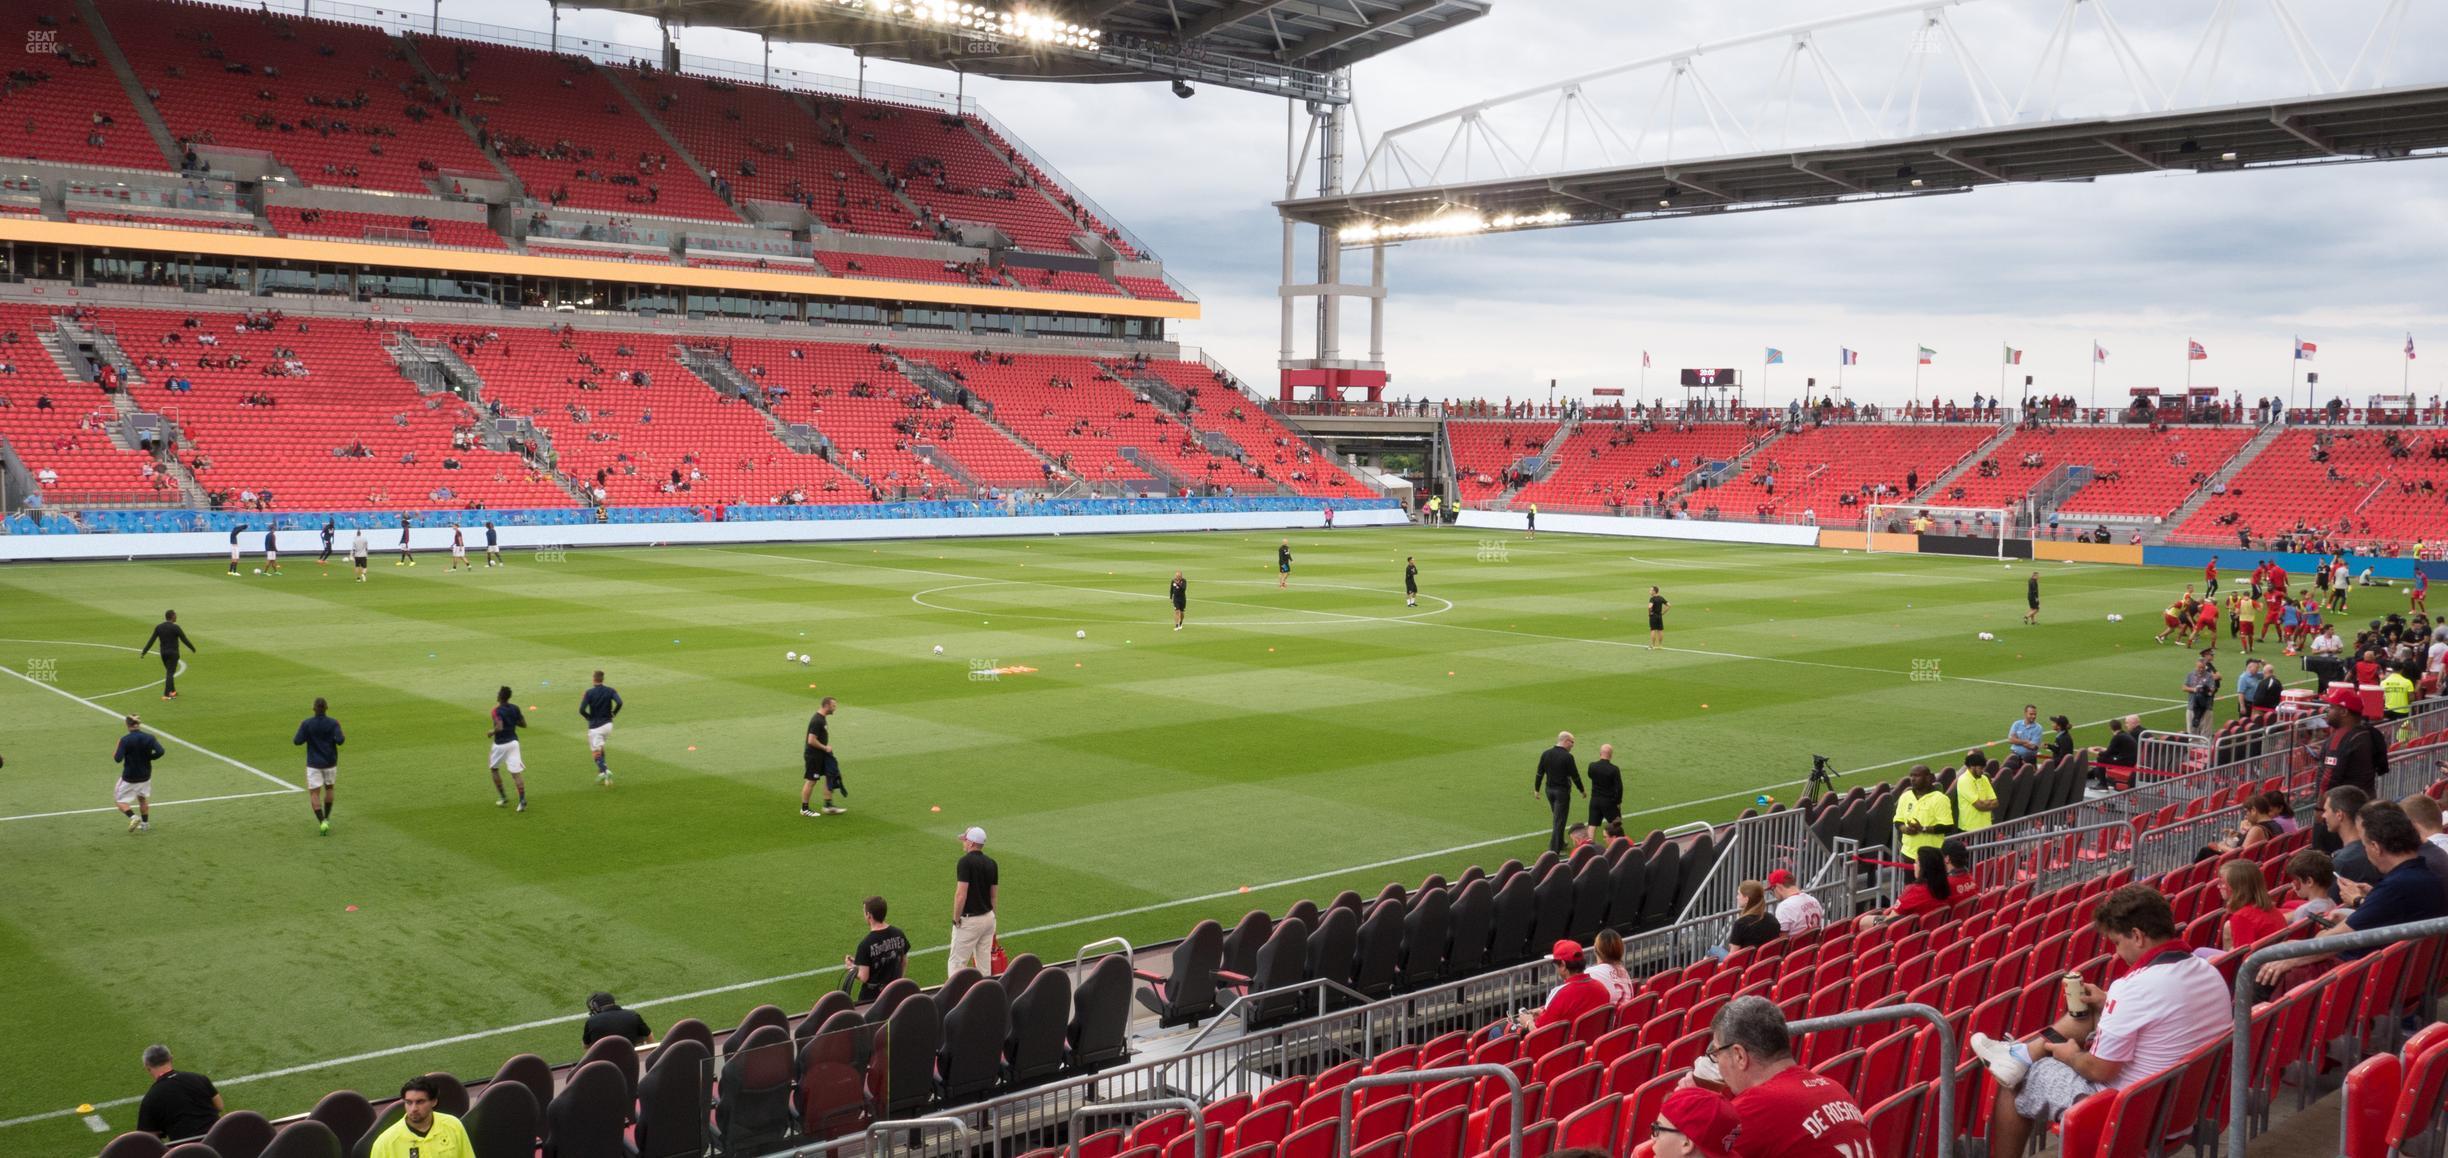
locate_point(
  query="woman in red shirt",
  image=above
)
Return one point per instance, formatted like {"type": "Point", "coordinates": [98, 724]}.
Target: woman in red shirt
{"type": "Point", "coordinates": [1942, 879]}
{"type": "Point", "coordinates": [2251, 915]}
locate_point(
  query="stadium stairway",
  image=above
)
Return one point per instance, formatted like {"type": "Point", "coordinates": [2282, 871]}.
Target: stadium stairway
{"type": "Point", "coordinates": [106, 46]}
{"type": "Point", "coordinates": [1548, 460]}
{"type": "Point", "coordinates": [2203, 493]}
{"type": "Point", "coordinates": [679, 152]}
{"type": "Point", "coordinates": [1734, 466]}
{"type": "Point", "coordinates": [1937, 486]}
{"type": "Point", "coordinates": [941, 385]}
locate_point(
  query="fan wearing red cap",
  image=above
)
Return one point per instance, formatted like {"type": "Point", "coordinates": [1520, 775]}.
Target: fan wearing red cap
{"type": "Point", "coordinates": [1579, 994]}
{"type": "Point", "coordinates": [2354, 755]}
{"type": "Point", "coordinates": [1797, 912]}
{"type": "Point", "coordinates": [1692, 1122]}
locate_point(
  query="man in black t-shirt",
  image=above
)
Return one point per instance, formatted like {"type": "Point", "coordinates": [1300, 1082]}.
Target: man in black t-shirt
{"type": "Point", "coordinates": [1657, 619]}
{"type": "Point", "coordinates": [606, 1018]}
{"type": "Point", "coordinates": [170, 637]}
{"type": "Point", "coordinates": [2031, 596]}
{"type": "Point", "coordinates": [976, 889]}
{"type": "Point", "coordinates": [1283, 564]}
{"type": "Point", "coordinates": [821, 765]}
{"type": "Point", "coordinates": [1605, 787]}
{"type": "Point", "coordinates": [877, 963]}
{"type": "Point", "coordinates": [178, 1104]}
{"type": "Point", "coordinates": [1410, 582]}
{"type": "Point", "coordinates": [1180, 593]}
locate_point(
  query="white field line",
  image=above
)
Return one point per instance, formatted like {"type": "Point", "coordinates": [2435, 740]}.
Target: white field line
{"type": "Point", "coordinates": [116, 714]}
{"type": "Point", "coordinates": [156, 804]}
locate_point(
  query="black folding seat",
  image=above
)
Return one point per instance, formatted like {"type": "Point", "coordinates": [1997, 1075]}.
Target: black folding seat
{"type": "Point", "coordinates": [1627, 884]}
{"type": "Point", "coordinates": [1018, 972]}
{"type": "Point", "coordinates": [193, 1150]}
{"type": "Point", "coordinates": [762, 1015]}
{"type": "Point", "coordinates": [898, 990]}
{"type": "Point", "coordinates": [1507, 871]}
{"type": "Point", "coordinates": [1697, 861]}
{"type": "Point", "coordinates": [1041, 1020]}
{"type": "Point", "coordinates": [1306, 911]}
{"type": "Point", "coordinates": [347, 1112]}
{"type": "Point", "coordinates": [1392, 892]}
{"type": "Point", "coordinates": [1100, 1016]}
{"type": "Point", "coordinates": [953, 989]}
{"type": "Point", "coordinates": [1347, 899]}
{"type": "Point", "coordinates": [532, 1072]}
{"type": "Point", "coordinates": [1592, 888]}
{"type": "Point", "coordinates": [308, 1138]}
{"type": "Point", "coordinates": [1474, 915]}
{"type": "Point", "coordinates": [1427, 934]}
{"type": "Point", "coordinates": [1584, 854]}
{"type": "Point", "coordinates": [364, 1145]}
{"type": "Point", "coordinates": [1516, 909]}
{"type": "Point", "coordinates": [1545, 861]}
{"type": "Point", "coordinates": [1334, 949]}
{"type": "Point", "coordinates": [139, 1145]}
{"type": "Point", "coordinates": [504, 1122]}
{"type": "Point", "coordinates": [245, 1133]}
{"type": "Point", "coordinates": [832, 1095]}
{"type": "Point", "coordinates": [1188, 995]}
{"type": "Point", "coordinates": [1665, 875]}
{"type": "Point", "coordinates": [973, 1037]}
{"type": "Point", "coordinates": [589, 1118]}
{"type": "Point", "coordinates": [450, 1095]}
{"type": "Point", "coordinates": [1473, 873]}
{"type": "Point", "coordinates": [673, 1100]}
{"type": "Point", "coordinates": [1241, 944]}
{"type": "Point", "coordinates": [1554, 896]}
{"type": "Point", "coordinates": [1378, 959]}
{"type": "Point", "coordinates": [1283, 961]}
{"type": "Point", "coordinates": [620, 1053]}
{"type": "Point", "coordinates": [1434, 881]}
{"type": "Point", "coordinates": [901, 1076]}
{"type": "Point", "coordinates": [833, 1001]}
{"type": "Point", "coordinates": [752, 1098]}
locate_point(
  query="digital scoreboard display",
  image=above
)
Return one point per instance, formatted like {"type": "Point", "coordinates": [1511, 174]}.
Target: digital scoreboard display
{"type": "Point", "coordinates": [1716, 377]}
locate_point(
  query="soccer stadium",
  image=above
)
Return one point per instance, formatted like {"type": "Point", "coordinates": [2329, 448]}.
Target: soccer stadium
{"type": "Point", "coordinates": [1393, 757]}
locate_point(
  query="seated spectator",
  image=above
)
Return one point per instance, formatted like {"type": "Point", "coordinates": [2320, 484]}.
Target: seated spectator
{"type": "Point", "coordinates": [2341, 809]}
{"type": "Point", "coordinates": [1941, 877]}
{"type": "Point", "coordinates": [2408, 889]}
{"type": "Point", "coordinates": [1754, 924]}
{"type": "Point", "coordinates": [1579, 994]}
{"type": "Point", "coordinates": [1688, 1116]}
{"type": "Point", "coordinates": [1779, 1106]}
{"type": "Point", "coordinates": [2259, 826]}
{"type": "Point", "coordinates": [1797, 912]}
{"type": "Point", "coordinates": [606, 1018]}
{"type": "Point", "coordinates": [2167, 1005]}
{"type": "Point", "coordinates": [2124, 750]}
{"type": "Point", "coordinates": [2251, 914]}
{"type": "Point", "coordinates": [1609, 969]}
{"type": "Point", "coordinates": [2425, 813]}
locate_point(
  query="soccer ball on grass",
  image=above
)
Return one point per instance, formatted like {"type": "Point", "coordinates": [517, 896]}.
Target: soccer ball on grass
{"type": "Point", "coordinates": [1081, 634]}
{"type": "Point", "coordinates": [939, 649]}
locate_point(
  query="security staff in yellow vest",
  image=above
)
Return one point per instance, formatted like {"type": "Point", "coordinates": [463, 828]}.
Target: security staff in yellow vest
{"type": "Point", "coordinates": [1976, 800]}
{"type": "Point", "coordinates": [1923, 814]}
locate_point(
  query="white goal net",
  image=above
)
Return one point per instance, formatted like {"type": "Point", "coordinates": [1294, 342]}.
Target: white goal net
{"type": "Point", "coordinates": [1990, 523]}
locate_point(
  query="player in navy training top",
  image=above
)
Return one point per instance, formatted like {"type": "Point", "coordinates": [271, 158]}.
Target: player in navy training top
{"type": "Point", "coordinates": [320, 735]}
{"type": "Point", "coordinates": [329, 529]}
{"type": "Point", "coordinates": [598, 706]}
{"type": "Point", "coordinates": [1179, 592]}
{"type": "Point", "coordinates": [507, 720]}
{"type": "Point", "coordinates": [493, 546]}
{"type": "Point", "coordinates": [235, 531]}
{"type": "Point", "coordinates": [406, 556]}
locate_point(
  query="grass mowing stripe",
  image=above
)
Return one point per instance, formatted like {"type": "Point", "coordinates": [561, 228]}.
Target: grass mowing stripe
{"type": "Point", "coordinates": [117, 714]}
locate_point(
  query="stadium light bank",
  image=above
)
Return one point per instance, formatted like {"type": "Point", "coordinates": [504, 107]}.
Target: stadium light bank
{"type": "Point", "coordinates": [1451, 225]}
{"type": "Point", "coordinates": [1016, 24]}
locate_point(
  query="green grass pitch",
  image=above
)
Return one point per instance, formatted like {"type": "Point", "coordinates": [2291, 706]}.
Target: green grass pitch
{"type": "Point", "coordinates": [1294, 742]}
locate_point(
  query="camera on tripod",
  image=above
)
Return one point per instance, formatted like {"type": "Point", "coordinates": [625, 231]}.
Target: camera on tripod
{"type": "Point", "coordinates": [1822, 777]}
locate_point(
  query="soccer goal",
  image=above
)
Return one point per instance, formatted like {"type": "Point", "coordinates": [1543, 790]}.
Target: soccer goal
{"type": "Point", "coordinates": [1991, 523]}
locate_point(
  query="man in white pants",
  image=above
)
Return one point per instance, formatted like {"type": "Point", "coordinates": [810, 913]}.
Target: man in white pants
{"type": "Point", "coordinates": [976, 890]}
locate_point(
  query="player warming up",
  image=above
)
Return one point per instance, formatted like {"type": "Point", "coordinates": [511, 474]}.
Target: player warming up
{"type": "Point", "coordinates": [134, 793]}
{"type": "Point", "coordinates": [1410, 581]}
{"type": "Point", "coordinates": [1179, 591]}
{"type": "Point", "coordinates": [821, 764]}
{"type": "Point", "coordinates": [1657, 619]}
{"type": "Point", "coordinates": [1283, 564]}
{"type": "Point", "coordinates": [171, 637]}
{"type": "Point", "coordinates": [507, 720]}
{"type": "Point", "coordinates": [407, 557]}
{"type": "Point", "coordinates": [493, 546]}
{"type": "Point", "coordinates": [598, 707]}
{"type": "Point", "coordinates": [459, 560]}
{"type": "Point", "coordinates": [320, 735]}
{"type": "Point", "coordinates": [357, 555]}
{"type": "Point", "coordinates": [236, 531]}
{"type": "Point", "coordinates": [2031, 598]}
{"type": "Point", "coordinates": [330, 529]}
{"type": "Point", "coordinates": [272, 548]}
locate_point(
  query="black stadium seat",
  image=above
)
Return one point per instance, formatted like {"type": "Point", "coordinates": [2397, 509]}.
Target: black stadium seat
{"type": "Point", "coordinates": [757, 1018]}
{"type": "Point", "coordinates": [1041, 1023]}
{"type": "Point", "coordinates": [1697, 861]}
{"type": "Point", "coordinates": [245, 1133]}
{"type": "Point", "coordinates": [1378, 959]}
{"type": "Point", "coordinates": [312, 1139]}
{"type": "Point", "coordinates": [1591, 891]}
{"type": "Point", "coordinates": [1434, 882]}
{"type": "Point", "coordinates": [752, 1100]}
{"type": "Point", "coordinates": [1392, 892]}
{"type": "Point", "coordinates": [622, 1056]}
{"type": "Point", "coordinates": [952, 990]}
{"type": "Point", "coordinates": [901, 1075]}
{"type": "Point", "coordinates": [1665, 875]}
{"type": "Point", "coordinates": [1306, 910]}
{"type": "Point", "coordinates": [1554, 895]}
{"type": "Point", "coordinates": [1347, 899]}
{"type": "Point", "coordinates": [364, 1145]}
{"type": "Point", "coordinates": [1100, 1016]}
{"type": "Point", "coordinates": [900, 989]}
{"type": "Point", "coordinates": [971, 1059]}
{"type": "Point", "coordinates": [504, 1123]}
{"type": "Point", "coordinates": [1516, 909]}
{"type": "Point", "coordinates": [1474, 915]}
{"type": "Point", "coordinates": [1507, 871]}
{"type": "Point", "coordinates": [347, 1113]}
{"type": "Point", "coordinates": [135, 1145]}
{"type": "Point", "coordinates": [1427, 934]}
{"type": "Point", "coordinates": [1627, 884]}
{"type": "Point", "coordinates": [691, 1029]}
{"type": "Point", "coordinates": [589, 1118]}
{"type": "Point", "coordinates": [532, 1072]}
{"type": "Point", "coordinates": [193, 1150]}
{"type": "Point", "coordinates": [1018, 972]}
{"type": "Point", "coordinates": [832, 1100]}
{"type": "Point", "coordinates": [1333, 950]}
{"type": "Point", "coordinates": [834, 1001]}
{"type": "Point", "coordinates": [1545, 861]}
{"type": "Point", "coordinates": [671, 1102]}
{"type": "Point", "coordinates": [450, 1094]}
{"type": "Point", "coordinates": [1282, 961]}
{"type": "Point", "coordinates": [1187, 995]}
{"type": "Point", "coordinates": [1473, 873]}
{"type": "Point", "coordinates": [1241, 944]}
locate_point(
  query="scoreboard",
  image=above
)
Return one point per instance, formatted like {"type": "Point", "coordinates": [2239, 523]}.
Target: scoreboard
{"type": "Point", "coordinates": [1712, 377]}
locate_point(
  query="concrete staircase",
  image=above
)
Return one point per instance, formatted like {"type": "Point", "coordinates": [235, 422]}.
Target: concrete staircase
{"type": "Point", "coordinates": [1733, 468]}
{"type": "Point", "coordinates": [108, 47]}
{"type": "Point", "coordinates": [934, 381]}
{"type": "Point", "coordinates": [433, 81]}
{"type": "Point", "coordinates": [717, 371]}
{"type": "Point", "coordinates": [1546, 458]}
{"type": "Point", "coordinates": [1945, 479]}
{"type": "Point", "coordinates": [2225, 473]}
{"type": "Point", "coordinates": [638, 105]}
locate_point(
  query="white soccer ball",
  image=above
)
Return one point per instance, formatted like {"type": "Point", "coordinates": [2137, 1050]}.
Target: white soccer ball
{"type": "Point", "coordinates": [1081, 634]}
{"type": "Point", "coordinates": [259, 570]}
{"type": "Point", "coordinates": [1986, 637]}
{"type": "Point", "coordinates": [789, 656]}
{"type": "Point", "coordinates": [806, 660]}
{"type": "Point", "coordinates": [939, 649]}
{"type": "Point", "coordinates": [2113, 617]}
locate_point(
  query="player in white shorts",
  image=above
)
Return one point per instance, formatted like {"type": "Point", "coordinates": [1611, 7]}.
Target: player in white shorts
{"type": "Point", "coordinates": [507, 720]}
{"type": "Point", "coordinates": [458, 549]}
{"type": "Point", "coordinates": [597, 707]}
{"type": "Point", "coordinates": [234, 547]}
{"type": "Point", "coordinates": [272, 551]}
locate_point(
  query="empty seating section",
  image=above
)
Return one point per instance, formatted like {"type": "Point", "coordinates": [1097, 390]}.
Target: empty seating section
{"type": "Point", "coordinates": [631, 437]}
{"type": "Point", "coordinates": [1610, 463]}
{"type": "Point", "coordinates": [71, 438]}
{"type": "Point", "coordinates": [1815, 466]}
{"type": "Point", "coordinates": [941, 166]}
{"type": "Point", "coordinates": [1150, 288]}
{"type": "Point", "coordinates": [572, 138]}
{"type": "Point", "coordinates": [886, 267]}
{"type": "Point", "coordinates": [1220, 407]}
{"type": "Point", "coordinates": [382, 227]}
{"type": "Point", "coordinates": [68, 106]}
{"type": "Point", "coordinates": [1063, 281]}
{"type": "Point", "coordinates": [341, 393]}
{"type": "Point", "coordinates": [770, 147]}
{"type": "Point", "coordinates": [1484, 450]}
{"type": "Point", "coordinates": [1071, 205]}
{"type": "Point", "coordinates": [2136, 471]}
{"type": "Point", "coordinates": [877, 419]}
{"type": "Point", "coordinates": [337, 103]}
{"type": "Point", "coordinates": [2352, 482]}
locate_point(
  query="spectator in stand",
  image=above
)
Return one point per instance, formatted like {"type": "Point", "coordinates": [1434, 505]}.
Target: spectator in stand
{"type": "Point", "coordinates": [2168, 1004]}
{"type": "Point", "coordinates": [2425, 813]}
{"type": "Point", "coordinates": [2408, 890]}
{"type": "Point", "coordinates": [1797, 912]}
{"type": "Point", "coordinates": [2123, 752]}
{"type": "Point", "coordinates": [2341, 815]}
{"type": "Point", "coordinates": [2311, 882]}
{"type": "Point", "coordinates": [2251, 913]}
{"type": "Point", "coordinates": [1754, 924]}
{"type": "Point", "coordinates": [1579, 994]}
{"type": "Point", "coordinates": [1934, 887]}
{"type": "Point", "coordinates": [1609, 968]}
{"type": "Point", "coordinates": [1780, 1108]}
{"type": "Point", "coordinates": [2259, 826]}
{"type": "Point", "coordinates": [1688, 1117]}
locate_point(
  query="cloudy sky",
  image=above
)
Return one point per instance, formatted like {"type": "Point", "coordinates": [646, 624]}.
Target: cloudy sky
{"type": "Point", "coordinates": [2351, 257]}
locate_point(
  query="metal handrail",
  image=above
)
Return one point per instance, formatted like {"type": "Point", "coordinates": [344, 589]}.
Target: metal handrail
{"type": "Point", "coordinates": [2239, 1072]}
{"type": "Point", "coordinates": [1128, 953]}
{"type": "Point", "coordinates": [1198, 1120]}
{"type": "Point", "coordinates": [1512, 1081]}
{"type": "Point", "coordinates": [1946, 1047]}
{"type": "Point", "coordinates": [1278, 991]}
{"type": "Point", "coordinates": [876, 1130]}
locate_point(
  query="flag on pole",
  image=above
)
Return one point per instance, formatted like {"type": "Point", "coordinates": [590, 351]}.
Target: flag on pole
{"type": "Point", "coordinates": [2409, 347]}
{"type": "Point", "coordinates": [1644, 359]}
{"type": "Point", "coordinates": [2099, 353]}
{"type": "Point", "coordinates": [2014, 357]}
{"type": "Point", "coordinates": [2194, 351]}
{"type": "Point", "coordinates": [2304, 350]}
{"type": "Point", "coordinates": [1927, 354]}
{"type": "Point", "coordinates": [1775, 356]}
{"type": "Point", "coordinates": [1851, 357]}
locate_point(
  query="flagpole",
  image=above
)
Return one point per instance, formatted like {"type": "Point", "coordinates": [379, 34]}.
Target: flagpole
{"type": "Point", "coordinates": [2095, 373]}
{"type": "Point", "coordinates": [1916, 379]}
{"type": "Point", "coordinates": [2188, 371]}
{"type": "Point", "coordinates": [2295, 371]}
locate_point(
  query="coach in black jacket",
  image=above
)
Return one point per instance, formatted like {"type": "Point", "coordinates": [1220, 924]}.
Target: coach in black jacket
{"type": "Point", "coordinates": [1558, 777]}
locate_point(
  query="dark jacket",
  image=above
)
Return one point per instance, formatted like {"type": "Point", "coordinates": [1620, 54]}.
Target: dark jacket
{"type": "Point", "coordinates": [320, 736]}
{"type": "Point", "coordinates": [1557, 774]}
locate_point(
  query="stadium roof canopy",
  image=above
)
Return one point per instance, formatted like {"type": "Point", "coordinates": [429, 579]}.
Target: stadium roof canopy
{"type": "Point", "coordinates": [2371, 125]}
{"type": "Point", "coordinates": [1288, 48]}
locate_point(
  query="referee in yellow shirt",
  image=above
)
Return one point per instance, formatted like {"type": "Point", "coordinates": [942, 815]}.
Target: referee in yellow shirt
{"type": "Point", "coordinates": [1976, 799]}
{"type": "Point", "coordinates": [421, 1132]}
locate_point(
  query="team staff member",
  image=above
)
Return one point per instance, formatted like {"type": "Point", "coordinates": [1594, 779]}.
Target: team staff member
{"type": "Point", "coordinates": [2031, 597]}
{"type": "Point", "coordinates": [1923, 813]}
{"type": "Point", "coordinates": [1657, 619]}
{"type": "Point", "coordinates": [357, 555]}
{"type": "Point", "coordinates": [1558, 778]}
{"type": "Point", "coordinates": [135, 755]}
{"type": "Point", "coordinates": [1976, 799]}
{"type": "Point", "coordinates": [507, 720]}
{"type": "Point", "coordinates": [171, 637]}
{"type": "Point", "coordinates": [1179, 591]}
{"type": "Point", "coordinates": [422, 1131]}
{"type": "Point", "coordinates": [977, 889]}
{"type": "Point", "coordinates": [1410, 581]}
{"type": "Point", "coordinates": [178, 1104]}
{"type": "Point", "coordinates": [320, 735]}
{"type": "Point", "coordinates": [881, 953]}
{"type": "Point", "coordinates": [2210, 577]}
{"type": "Point", "coordinates": [598, 707]}
{"type": "Point", "coordinates": [1283, 564]}
{"type": "Point", "coordinates": [821, 764]}
{"type": "Point", "coordinates": [606, 1018]}
{"type": "Point", "coordinates": [1605, 788]}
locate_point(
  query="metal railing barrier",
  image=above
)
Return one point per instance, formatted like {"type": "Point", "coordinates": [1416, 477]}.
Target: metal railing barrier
{"type": "Point", "coordinates": [1505, 1074]}
{"type": "Point", "coordinates": [1198, 1120]}
{"type": "Point", "coordinates": [2239, 1069]}
{"type": "Point", "coordinates": [1946, 1048]}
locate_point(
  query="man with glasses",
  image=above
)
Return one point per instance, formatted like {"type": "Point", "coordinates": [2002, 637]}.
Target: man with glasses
{"type": "Point", "coordinates": [1780, 1108]}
